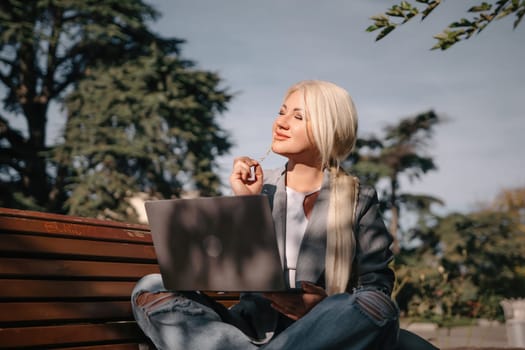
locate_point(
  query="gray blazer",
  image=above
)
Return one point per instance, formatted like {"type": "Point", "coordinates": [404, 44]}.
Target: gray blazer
{"type": "Point", "coordinates": [373, 255]}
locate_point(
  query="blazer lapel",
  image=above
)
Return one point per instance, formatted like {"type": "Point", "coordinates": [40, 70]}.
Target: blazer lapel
{"type": "Point", "coordinates": [276, 191]}
{"type": "Point", "coordinates": [311, 260]}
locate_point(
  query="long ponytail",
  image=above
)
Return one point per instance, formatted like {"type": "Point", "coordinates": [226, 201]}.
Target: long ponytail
{"type": "Point", "coordinates": [340, 240]}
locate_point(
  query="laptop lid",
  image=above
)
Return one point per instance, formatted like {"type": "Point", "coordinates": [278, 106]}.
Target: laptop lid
{"type": "Point", "coordinates": [216, 244]}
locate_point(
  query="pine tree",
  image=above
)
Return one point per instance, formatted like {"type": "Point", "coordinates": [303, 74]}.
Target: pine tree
{"type": "Point", "coordinates": [148, 125]}
{"type": "Point", "coordinates": [45, 48]}
{"type": "Point", "coordinates": [400, 152]}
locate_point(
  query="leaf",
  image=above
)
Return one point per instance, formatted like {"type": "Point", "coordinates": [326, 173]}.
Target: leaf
{"type": "Point", "coordinates": [379, 17]}
{"type": "Point", "coordinates": [431, 7]}
{"type": "Point", "coordinates": [462, 23]}
{"type": "Point", "coordinates": [480, 8]}
{"type": "Point", "coordinates": [372, 28]}
{"type": "Point", "coordinates": [395, 12]}
{"type": "Point", "coordinates": [519, 16]}
{"type": "Point", "coordinates": [385, 32]}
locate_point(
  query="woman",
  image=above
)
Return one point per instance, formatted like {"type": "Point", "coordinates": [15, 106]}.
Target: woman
{"type": "Point", "coordinates": [332, 240]}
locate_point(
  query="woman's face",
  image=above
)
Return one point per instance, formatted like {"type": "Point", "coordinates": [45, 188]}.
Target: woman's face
{"type": "Point", "coordinates": [292, 131]}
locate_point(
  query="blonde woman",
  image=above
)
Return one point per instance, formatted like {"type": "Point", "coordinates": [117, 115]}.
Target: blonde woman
{"type": "Point", "coordinates": [332, 240]}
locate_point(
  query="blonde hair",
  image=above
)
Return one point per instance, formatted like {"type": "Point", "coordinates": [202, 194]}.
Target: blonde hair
{"type": "Point", "coordinates": [333, 118]}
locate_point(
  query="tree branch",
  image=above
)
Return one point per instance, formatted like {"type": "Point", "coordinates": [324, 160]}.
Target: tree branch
{"type": "Point", "coordinates": [14, 137]}
{"type": "Point", "coordinates": [9, 157]}
{"type": "Point", "coordinates": [48, 86]}
{"type": "Point", "coordinates": [456, 31]}
{"type": "Point", "coordinates": [7, 82]}
{"type": "Point", "coordinates": [7, 61]}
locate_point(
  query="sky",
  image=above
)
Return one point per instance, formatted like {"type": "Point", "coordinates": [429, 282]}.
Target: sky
{"type": "Point", "coordinates": [260, 48]}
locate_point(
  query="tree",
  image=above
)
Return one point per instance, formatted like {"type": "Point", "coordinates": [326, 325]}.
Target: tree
{"type": "Point", "coordinates": [484, 250]}
{"type": "Point", "coordinates": [400, 153]}
{"type": "Point", "coordinates": [147, 125]}
{"type": "Point", "coordinates": [45, 48]}
{"type": "Point", "coordinates": [467, 263]}
{"type": "Point", "coordinates": [512, 202]}
{"type": "Point", "coordinates": [484, 13]}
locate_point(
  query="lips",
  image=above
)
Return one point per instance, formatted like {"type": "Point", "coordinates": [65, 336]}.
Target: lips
{"type": "Point", "coordinates": [280, 137]}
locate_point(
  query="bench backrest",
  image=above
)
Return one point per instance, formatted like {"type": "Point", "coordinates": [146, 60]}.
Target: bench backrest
{"type": "Point", "coordinates": [66, 281]}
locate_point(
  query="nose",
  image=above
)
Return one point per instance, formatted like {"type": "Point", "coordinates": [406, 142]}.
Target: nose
{"type": "Point", "coordinates": [282, 121]}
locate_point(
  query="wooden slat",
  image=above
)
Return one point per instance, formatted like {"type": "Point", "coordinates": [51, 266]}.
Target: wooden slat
{"type": "Point", "coordinates": [58, 311]}
{"type": "Point", "coordinates": [17, 268]}
{"type": "Point", "coordinates": [42, 289]}
{"type": "Point", "coordinates": [84, 334]}
{"type": "Point", "coordinates": [48, 217]}
{"type": "Point", "coordinates": [68, 229]}
{"type": "Point", "coordinates": [29, 244]}
{"type": "Point", "coordinates": [33, 290]}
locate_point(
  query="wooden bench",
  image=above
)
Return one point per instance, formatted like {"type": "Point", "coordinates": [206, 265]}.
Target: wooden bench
{"type": "Point", "coordinates": [65, 282]}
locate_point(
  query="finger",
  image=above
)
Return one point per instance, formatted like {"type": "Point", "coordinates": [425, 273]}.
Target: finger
{"type": "Point", "coordinates": [278, 298]}
{"type": "Point", "coordinates": [284, 301]}
{"type": "Point", "coordinates": [258, 170]}
{"type": "Point", "coordinates": [245, 160]}
{"type": "Point", "coordinates": [241, 171]}
{"type": "Point", "coordinates": [242, 167]}
{"type": "Point", "coordinates": [285, 311]}
{"type": "Point", "coordinates": [256, 174]}
{"type": "Point", "coordinates": [311, 288]}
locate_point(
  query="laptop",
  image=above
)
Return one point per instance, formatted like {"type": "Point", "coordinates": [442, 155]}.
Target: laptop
{"type": "Point", "coordinates": [222, 244]}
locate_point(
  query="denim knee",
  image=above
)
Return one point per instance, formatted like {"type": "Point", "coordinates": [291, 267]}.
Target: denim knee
{"type": "Point", "coordinates": [376, 306]}
{"type": "Point", "coordinates": [149, 283]}
{"type": "Point", "coordinates": [176, 322]}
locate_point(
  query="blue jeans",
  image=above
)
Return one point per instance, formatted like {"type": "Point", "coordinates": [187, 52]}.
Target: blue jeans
{"type": "Point", "coordinates": [366, 319]}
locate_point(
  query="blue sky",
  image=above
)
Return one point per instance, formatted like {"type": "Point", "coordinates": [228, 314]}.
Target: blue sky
{"type": "Point", "coordinates": [260, 48]}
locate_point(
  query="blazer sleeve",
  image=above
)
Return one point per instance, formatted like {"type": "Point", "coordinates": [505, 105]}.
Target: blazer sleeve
{"type": "Point", "coordinates": [373, 254]}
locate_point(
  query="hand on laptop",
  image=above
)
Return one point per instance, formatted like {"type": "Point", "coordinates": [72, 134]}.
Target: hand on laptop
{"type": "Point", "coordinates": [246, 177]}
{"type": "Point", "coordinates": [296, 305]}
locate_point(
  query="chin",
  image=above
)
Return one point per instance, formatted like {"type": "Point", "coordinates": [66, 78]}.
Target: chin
{"type": "Point", "coordinates": [275, 149]}
{"type": "Point", "coordinates": [278, 150]}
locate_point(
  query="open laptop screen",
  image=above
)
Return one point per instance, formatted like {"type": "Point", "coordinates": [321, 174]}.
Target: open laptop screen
{"type": "Point", "coordinates": [216, 244]}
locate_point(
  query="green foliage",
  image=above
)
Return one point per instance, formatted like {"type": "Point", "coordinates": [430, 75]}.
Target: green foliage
{"type": "Point", "coordinates": [483, 14]}
{"type": "Point", "coordinates": [401, 152]}
{"type": "Point", "coordinates": [460, 265]}
{"type": "Point", "coordinates": [148, 125]}
{"type": "Point", "coordinates": [488, 247]}
{"type": "Point", "coordinates": [45, 48]}
{"type": "Point", "coordinates": [466, 264]}
{"type": "Point", "coordinates": [139, 117]}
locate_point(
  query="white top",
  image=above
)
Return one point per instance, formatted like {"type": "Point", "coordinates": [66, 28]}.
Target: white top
{"type": "Point", "coordinates": [296, 222]}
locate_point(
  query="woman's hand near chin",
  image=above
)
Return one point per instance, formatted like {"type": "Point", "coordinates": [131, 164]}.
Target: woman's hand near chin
{"type": "Point", "coordinates": [241, 180]}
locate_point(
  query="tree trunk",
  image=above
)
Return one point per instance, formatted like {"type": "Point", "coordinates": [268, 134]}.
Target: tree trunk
{"type": "Point", "coordinates": [33, 99]}
{"type": "Point", "coordinates": [35, 178]}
